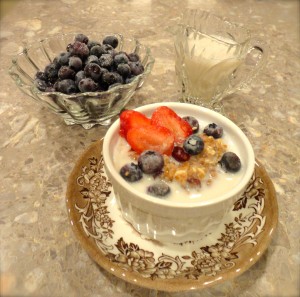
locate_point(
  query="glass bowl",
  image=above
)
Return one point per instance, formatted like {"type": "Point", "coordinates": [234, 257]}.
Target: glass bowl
{"type": "Point", "coordinates": [86, 109]}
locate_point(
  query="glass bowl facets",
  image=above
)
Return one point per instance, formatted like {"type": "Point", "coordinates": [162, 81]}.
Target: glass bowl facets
{"type": "Point", "coordinates": [86, 109]}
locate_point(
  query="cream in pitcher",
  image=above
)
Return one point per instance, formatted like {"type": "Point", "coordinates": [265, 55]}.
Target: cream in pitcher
{"type": "Point", "coordinates": [210, 58]}
{"type": "Point", "coordinates": [211, 61]}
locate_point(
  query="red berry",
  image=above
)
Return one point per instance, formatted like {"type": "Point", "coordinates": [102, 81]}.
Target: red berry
{"type": "Point", "coordinates": [179, 154]}
{"type": "Point", "coordinates": [149, 137]}
{"type": "Point", "coordinates": [166, 117]}
{"type": "Point", "coordinates": [194, 182]}
{"type": "Point", "coordinates": [131, 119]}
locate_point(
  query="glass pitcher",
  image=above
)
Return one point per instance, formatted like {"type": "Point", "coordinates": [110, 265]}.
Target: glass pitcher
{"type": "Point", "coordinates": [214, 58]}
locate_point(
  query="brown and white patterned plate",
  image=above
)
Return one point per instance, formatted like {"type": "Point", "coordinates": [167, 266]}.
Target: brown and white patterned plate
{"type": "Point", "coordinates": [238, 243]}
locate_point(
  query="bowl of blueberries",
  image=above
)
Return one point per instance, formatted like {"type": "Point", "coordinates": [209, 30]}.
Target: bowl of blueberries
{"type": "Point", "coordinates": [85, 78]}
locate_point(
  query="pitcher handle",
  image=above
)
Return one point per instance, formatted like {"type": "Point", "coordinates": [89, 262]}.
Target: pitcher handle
{"type": "Point", "coordinates": [255, 60]}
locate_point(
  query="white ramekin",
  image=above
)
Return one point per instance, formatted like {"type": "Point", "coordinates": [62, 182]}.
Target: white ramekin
{"type": "Point", "coordinates": [169, 221]}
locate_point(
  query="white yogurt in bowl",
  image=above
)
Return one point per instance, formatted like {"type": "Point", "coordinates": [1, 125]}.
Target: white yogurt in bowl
{"type": "Point", "coordinates": [183, 215]}
{"type": "Point", "coordinates": [223, 182]}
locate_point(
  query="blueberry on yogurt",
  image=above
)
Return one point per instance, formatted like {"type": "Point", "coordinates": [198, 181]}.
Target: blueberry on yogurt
{"type": "Point", "coordinates": [158, 189]}
{"type": "Point", "coordinates": [151, 162]}
{"type": "Point", "coordinates": [131, 172]}
{"type": "Point", "coordinates": [230, 162]}
{"type": "Point", "coordinates": [213, 130]}
{"type": "Point", "coordinates": [193, 123]}
{"type": "Point", "coordinates": [193, 145]}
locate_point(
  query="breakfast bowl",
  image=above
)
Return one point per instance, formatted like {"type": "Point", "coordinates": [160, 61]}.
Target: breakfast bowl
{"type": "Point", "coordinates": [86, 107]}
{"type": "Point", "coordinates": [185, 213]}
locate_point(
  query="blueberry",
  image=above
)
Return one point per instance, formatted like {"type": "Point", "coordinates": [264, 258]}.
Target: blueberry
{"type": "Point", "coordinates": [75, 63]}
{"type": "Point", "coordinates": [230, 162]}
{"type": "Point", "coordinates": [51, 72]}
{"type": "Point", "coordinates": [108, 47]}
{"type": "Point", "coordinates": [151, 162]}
{"type": "Point", "coordinates": [121, 58]}
{"type": "Point", "coordinates": [112, 52]}
{"type": "Point", "coordinates": [133, 57]}
{"type": "Point", "coordinates": [193, 145]}
{"type": "Point", "coordinates": [41, 75]}
{"type": "Point", "coordinates": [98, 50]}
{"type": "Point", "coordinates": [111, 78]}
{"type": "Point", "coordinates": [69, 47]}
{"type": "Point", "coordinates": [179, 154]}
{"type": "Point", "coordinates": [40, 84]}
{"type": "Point", "coordinates": [213, 130]}
{"type": "Point", "coordinates": [136, 68]}
{"type": "Point", "coordinates": [79, 76]}
{"type": "Point", "coordinates": [111, 40]}
{"type": "Point", "coordinates": [104, 70]}
{"type": "Point", "coordinates": [124, 70]}
{"type": "Point", "coordinates": [131, 172]}
{"type": "Point", "coordinates": [66, 72]}
{"type": "Point", "coordinates": [81, 38]}
{"type": "Point", "coordinates": [87, 85]}
{"type": "Point", "coordinates": [193, 123]}
{"type": "Point", "coordinates": [93, 70]}
{"type": "Point", "coordinates": [106, 61]}
{"type": "Point", "coordinates": [66, 86]}
{"type": "Point", "coordinates": [79, 49]}
{"type": "Point", "coordinates": [158, 189]}
{"type": "Point", "coordinates": [63, 58]}
{"type": "Point", "coordinates": [92, 59]}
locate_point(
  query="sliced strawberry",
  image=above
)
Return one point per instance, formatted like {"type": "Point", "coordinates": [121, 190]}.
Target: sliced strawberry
{"type": "Point", "coordinates": [131, 119]}
{"type": "Point", "coordinates": [166, 117]}
{"type": "Point", "coordinates": [150, 137]}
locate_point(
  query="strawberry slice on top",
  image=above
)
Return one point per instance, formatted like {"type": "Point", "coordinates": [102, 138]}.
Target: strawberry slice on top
{"type": "Point", "coordinates": [166, 117]}
{"type": "Point", "coordinates": [150, 137]}
{"type": "Point", "coordinates": [131, 119]}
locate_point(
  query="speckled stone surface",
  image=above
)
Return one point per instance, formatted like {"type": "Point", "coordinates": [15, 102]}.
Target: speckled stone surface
{"type": "Point", "coordinates": [40, 255]}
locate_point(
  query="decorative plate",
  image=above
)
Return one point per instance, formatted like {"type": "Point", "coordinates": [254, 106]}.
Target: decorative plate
{"type": "Point", "coordinates": [234, 247]}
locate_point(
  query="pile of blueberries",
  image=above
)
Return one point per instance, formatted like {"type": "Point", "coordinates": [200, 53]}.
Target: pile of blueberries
{"type": "Point", "coordinates": [89, 66]}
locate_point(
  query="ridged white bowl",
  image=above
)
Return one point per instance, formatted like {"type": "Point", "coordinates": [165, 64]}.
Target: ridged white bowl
{"type": "Point", "coordinates": [169, 221]}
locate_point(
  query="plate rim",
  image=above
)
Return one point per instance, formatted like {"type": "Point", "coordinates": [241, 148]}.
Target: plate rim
{"type": "Point", "coordinates": [168, 285]}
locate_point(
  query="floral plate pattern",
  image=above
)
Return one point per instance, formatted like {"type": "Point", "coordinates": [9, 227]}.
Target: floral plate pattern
{"type": "Point", "coordinates": [234, 247]}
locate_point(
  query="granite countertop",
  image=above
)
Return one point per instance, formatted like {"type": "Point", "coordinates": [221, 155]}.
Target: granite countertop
{"type": "Point", "coordinates": [40, 255]}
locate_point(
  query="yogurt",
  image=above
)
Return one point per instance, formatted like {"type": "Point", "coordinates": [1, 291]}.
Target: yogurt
{"type": "Point", "coordinates": [223, 182]}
